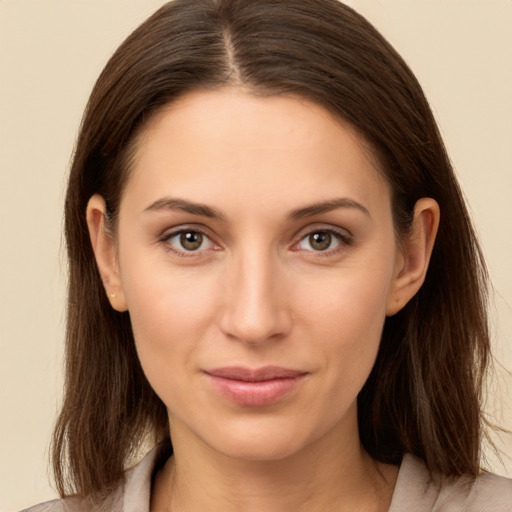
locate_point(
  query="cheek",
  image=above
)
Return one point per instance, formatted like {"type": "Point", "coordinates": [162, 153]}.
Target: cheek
{"type": "Point", "coordinates": [346, 318]}
{"type": "Point", "coordinates": [354, 330]}
{"type": "Point", "coordinates": [350, 303]}
{"type": "Point", "coordinates": [170, 313]}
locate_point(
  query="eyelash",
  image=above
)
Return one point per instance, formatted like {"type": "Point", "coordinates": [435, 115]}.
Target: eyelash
{"type": "Point", "coordinates": [168, 236]}
{"type": "Point", "coordinates": [344, 240]}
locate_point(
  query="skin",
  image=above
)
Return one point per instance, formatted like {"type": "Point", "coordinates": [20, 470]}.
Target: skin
{"type": "Point", "coordinates": [260, 291]}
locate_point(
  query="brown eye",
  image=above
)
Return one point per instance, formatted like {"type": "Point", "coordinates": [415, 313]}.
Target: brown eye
{"type": "Point", "coordinates": [324, 241]}
{"type": "Point", "coordinates": [320, 240]}
{"type": "Point", "coordinates": [188, 242]}
{"type": "Point", "coordinates": [191, 240]}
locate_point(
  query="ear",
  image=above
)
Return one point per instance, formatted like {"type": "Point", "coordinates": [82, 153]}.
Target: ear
{"type": "Point", "coordinates": [412, 264]}
{"type": "Point", "coordinates": [104, 248]}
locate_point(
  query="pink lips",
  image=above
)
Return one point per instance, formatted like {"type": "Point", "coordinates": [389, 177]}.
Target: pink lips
{"type": "Point", "coordinates": [258, 387]}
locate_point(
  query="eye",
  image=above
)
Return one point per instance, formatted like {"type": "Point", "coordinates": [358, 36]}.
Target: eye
{"type": "Point", "coordinates": [188, 240]}
{"type": "Point", "coordinates": [322, 240]}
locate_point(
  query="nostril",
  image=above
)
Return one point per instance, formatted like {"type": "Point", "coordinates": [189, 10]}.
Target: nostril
{"type": "Point", "coordinates": [267, 324]}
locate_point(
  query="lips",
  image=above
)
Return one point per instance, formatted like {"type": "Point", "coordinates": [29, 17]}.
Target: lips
{"type": "Point", "coordinates": [255, 387]}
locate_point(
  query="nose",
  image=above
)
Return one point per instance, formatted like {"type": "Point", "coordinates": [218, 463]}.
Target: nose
{"type": "Point", "coordinates": [256, 306]}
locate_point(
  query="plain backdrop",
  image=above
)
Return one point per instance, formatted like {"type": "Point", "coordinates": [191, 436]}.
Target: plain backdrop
{"type": "Point", "coordinates": [50, 55]}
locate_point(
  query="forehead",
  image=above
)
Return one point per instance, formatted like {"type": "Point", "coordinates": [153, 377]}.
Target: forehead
{"type": "Point", "coordinates": [229, 144]}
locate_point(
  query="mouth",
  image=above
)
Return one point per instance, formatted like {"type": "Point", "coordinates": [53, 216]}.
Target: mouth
{"type": "Point", "coordinates": [255, 387]}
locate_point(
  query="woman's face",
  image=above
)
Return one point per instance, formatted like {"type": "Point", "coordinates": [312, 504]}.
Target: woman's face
{"type": "Point", "coordinates": [257, 259]}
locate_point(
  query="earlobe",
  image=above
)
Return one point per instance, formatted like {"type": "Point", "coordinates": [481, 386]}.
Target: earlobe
{"type": "Point", "coordinates": [104, 248]}
{"type": "Point", "coordinates": [415, 255]}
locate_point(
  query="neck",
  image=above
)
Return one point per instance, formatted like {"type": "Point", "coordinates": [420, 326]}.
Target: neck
{"type": "Point", "coordinates": [318, 478]}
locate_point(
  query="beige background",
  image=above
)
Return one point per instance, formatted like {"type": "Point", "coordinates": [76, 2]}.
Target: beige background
{"type": "Point", "coordinates": [50, 54]}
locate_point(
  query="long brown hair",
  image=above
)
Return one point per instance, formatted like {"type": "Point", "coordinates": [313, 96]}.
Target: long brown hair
{"type": "Point", "coordinates": [423, 394]}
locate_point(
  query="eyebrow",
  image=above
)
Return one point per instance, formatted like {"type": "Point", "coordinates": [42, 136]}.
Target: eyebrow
{"type": "Point", "coordinates": [203, 210]}
{"type": "Point", "coordinates": [168, 203]}
{"type": "Point", "coordinates": [327, 206]}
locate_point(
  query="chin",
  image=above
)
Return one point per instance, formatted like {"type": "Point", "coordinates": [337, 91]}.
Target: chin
{"type": "Point", "coordinates": [259, 449]}
{"type": "Point", "coordinates": [263, 439]}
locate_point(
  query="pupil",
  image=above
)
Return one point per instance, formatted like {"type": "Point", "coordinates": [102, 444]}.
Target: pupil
{"type": "Point", "coordinates": [320, 241]}
{"type": "Point", "coordinates": [191, 240]}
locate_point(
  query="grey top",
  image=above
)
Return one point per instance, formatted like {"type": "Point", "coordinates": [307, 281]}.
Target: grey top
{"type": "Point", "coordinates": [415, 491]}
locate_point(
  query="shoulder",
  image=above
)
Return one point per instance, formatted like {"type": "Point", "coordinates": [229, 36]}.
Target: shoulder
{"type": "Point", "coordinates": [65, 505]}
{"type": "Point", "coordinates": [110, 502]}
{"type": "Point", "coordinates": [49, 506]}
{"type": "Point", "coordinates": [419, 491]}
{"type": "Point", "coordinates": [132, 494]}
{"type": "Point", "coordinates": [486, 493]}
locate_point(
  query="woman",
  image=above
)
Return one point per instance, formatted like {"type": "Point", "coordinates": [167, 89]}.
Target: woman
{"type": "Point", "coordinates": [265, 240]}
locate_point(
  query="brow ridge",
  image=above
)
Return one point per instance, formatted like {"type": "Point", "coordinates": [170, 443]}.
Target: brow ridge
{"type": "Point", "coordinates": [169, 203]}
{"type": "Point", "coordinates": [327, 206]}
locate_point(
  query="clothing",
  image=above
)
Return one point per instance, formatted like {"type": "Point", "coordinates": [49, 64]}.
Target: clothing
{"type": "Point", "coordinates": [415, 491]}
